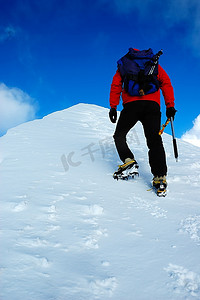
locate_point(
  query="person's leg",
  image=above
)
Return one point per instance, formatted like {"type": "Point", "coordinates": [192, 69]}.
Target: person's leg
{"type": "Point", "coordinates": [151, 123]}
{"type": "Point", "coordinates": [126, 121]}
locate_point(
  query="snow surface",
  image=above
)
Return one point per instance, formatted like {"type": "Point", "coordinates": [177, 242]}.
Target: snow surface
{"type": "Point", "coordinates": [71, 232]}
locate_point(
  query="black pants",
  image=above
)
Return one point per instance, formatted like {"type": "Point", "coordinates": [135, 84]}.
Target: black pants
{"type": "Point", "coordinates": [148, 113]}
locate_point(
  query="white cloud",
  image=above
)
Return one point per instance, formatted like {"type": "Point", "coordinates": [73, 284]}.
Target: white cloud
{"type": "Point", "coordinates": [16, 107]}
{"type": "Point", "coordinates": [193, 135]}
{"type": "Point", "coordinates": [169, 14]}
{"type": "Point", "coordinates": [7, 33]}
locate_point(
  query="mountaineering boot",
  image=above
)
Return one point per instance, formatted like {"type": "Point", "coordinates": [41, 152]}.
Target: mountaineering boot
{"type": "Point", "coordinates": [128, 170]}
{"type": "Point", "coordinates": [160, 185]}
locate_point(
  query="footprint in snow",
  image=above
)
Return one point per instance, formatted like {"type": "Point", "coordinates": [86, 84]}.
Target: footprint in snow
{"type": "Point", "coordinates": [105, 263]}
{"type": "Point", "coordinates": [104, 287]}
{"type": "Point", "coordinates": [81, 198]}
{"type": "Point", "coordinates": [135, 233]}
{"type": "Point", "coordinates": [42, 262]}
{"type": "Point", "coordinates": [52, 213]}
{"type": "Point", "coordinates": [149, 207]}
{"type": "Point", "coordinates": [93, 210]}
{"type": "Point", "coordinates": [20, 206]}
{"type": "Point", "coordinates": [57, 198]}
{"type": "Point", "coordinates": [36, 260]}
{"type": "Point", "coordinates": [52, 209]}
{"type": "Point", "coordinates": [36, 243]}
{"type": "Point", "coordinates": [21, 196]}
{"type": "Point", "coordinates": [191, 226]}
{"type": "Point", "coordinates": [33, 243]}
{"type": "Point", "coordinates": [184, 281]}
{"type": "Point", "coordinates": [91, 241]}
{"type": "Point", "coordinates": [53, 228]}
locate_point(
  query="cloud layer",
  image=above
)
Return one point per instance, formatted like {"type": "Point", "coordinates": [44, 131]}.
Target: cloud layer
{"type": "Point", "coordinates": [193, 135]}
{"type": "Point", "coordinates": [16, 107]}
{"type": "Point", "coordinates": [7, 33]}
{"type": "Point", "coordinates": [181, 15]}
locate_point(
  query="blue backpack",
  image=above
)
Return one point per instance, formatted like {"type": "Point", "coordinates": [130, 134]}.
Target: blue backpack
{"type": "Point", "coordinates": [139, 70]}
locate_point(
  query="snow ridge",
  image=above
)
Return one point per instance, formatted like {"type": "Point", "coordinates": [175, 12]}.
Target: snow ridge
{"type": "Point", "coordinates": [69, 231]}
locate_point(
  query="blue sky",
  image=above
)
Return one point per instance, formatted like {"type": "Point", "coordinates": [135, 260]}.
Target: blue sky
{"type": "Point", "coordinates": [57, 53]}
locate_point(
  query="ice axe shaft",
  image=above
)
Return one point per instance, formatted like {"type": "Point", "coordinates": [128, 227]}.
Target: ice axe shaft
{"type": "Point", "coordinates": [163, 126]}
{"type": "Point", "coordinates": [174, 140]}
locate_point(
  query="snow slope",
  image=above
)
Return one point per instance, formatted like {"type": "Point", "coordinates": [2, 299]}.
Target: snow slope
{"type": "Point", "coordinates": [70, 232]}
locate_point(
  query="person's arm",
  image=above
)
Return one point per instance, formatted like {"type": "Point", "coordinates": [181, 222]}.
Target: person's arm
{"type": "Point", "coordinates": [116, 89]}
{"type": "Point", "coordinates": [166, 87]}
{"type": "Point", "coordinates": [167, 91]}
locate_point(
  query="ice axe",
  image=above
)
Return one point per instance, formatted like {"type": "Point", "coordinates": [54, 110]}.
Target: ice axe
{"type": "Point", "coordinates": [163, 126]}
{"type": "Point", "coordinates": [174, 139]}
{"type": "Point", "coordinates": [170, 120]}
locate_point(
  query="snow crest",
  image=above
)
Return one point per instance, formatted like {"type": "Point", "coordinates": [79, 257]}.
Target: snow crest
{"type": "Point", "coordinates": [69, 231]}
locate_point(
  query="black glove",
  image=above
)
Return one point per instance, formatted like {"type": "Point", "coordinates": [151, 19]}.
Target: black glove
{"type": "Point", "coordinates": [113, 115]}
{"type": "Point", "coordinates": [170, 112]}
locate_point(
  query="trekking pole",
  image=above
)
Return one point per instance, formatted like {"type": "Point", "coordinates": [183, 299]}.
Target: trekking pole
{"type": "Point", "coordinates": [155, 61]}
{"type": "Point", "coordinates": [152, 68]}
{"type": "Point", "coordinates": [174, 140]}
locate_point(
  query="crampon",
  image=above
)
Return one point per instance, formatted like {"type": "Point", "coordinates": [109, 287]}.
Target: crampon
{"type": "Point", "coordinates": [160, 185]}
{"type": "Point", "coordinates": [127, 170]}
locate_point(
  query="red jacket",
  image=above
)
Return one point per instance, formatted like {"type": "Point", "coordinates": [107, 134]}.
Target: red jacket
{"type": "Point", "coordinates": [165, 86]}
